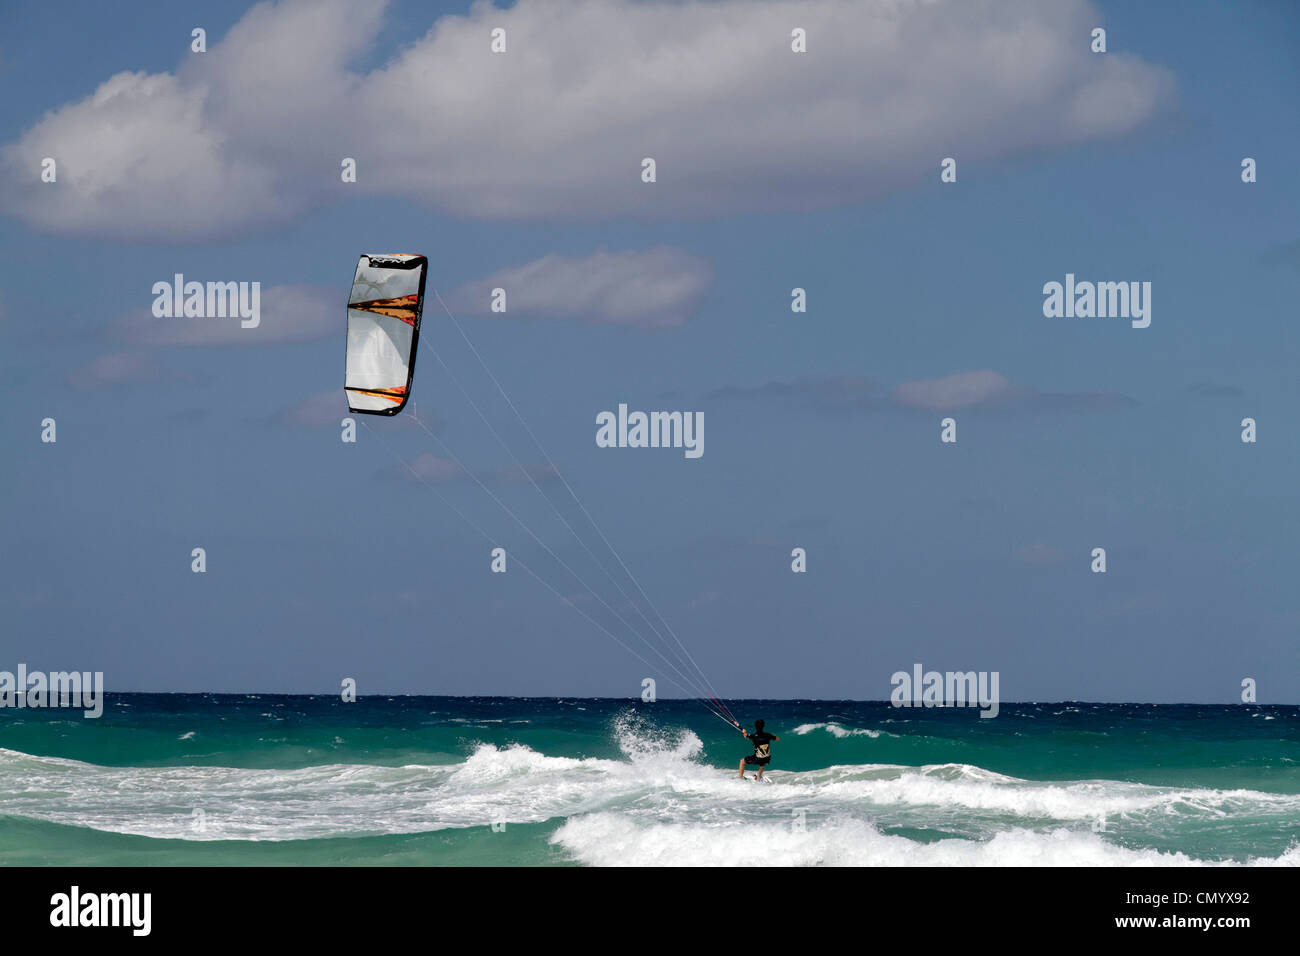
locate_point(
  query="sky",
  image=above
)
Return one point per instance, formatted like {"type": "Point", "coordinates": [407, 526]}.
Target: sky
{"type": "Point", "coordinates": [775, 170]}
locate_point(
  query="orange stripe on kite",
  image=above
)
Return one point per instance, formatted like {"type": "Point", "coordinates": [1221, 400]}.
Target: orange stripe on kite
{"type": "Point", "coordinates": [401, 308]}
{"type": "Point", "coordinates": [394, 395]}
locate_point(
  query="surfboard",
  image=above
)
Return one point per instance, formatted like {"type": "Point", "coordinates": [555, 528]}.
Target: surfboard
{"type": "Point", "coordinates": [758, 779]}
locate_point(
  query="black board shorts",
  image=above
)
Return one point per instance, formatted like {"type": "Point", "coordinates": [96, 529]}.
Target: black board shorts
{"type": "Point", "coordinates": [754, 760]}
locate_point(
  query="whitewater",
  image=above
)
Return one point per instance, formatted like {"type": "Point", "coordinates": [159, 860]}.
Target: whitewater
{"type": "Point", "coordinates": [658, 798]}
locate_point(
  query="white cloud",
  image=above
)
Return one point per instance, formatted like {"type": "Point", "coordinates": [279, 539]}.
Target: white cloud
{"type": "Point", "coordinates": [141, 157]}
{"type": "Point", "coordinates": [652, 289]}
{"type": "Point", "coordinates": [955, 391]}
{"type": "Point", "coordinates": [252, 132]}
{"type": "Point", "coordinates": [288, 314]}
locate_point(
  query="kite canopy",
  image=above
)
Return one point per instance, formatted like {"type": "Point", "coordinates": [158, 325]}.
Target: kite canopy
{"type": "Point", "coordinates": [383, 331]}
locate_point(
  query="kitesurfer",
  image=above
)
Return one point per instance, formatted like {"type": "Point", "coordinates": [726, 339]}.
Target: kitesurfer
{"type": "Point", "coordinates": [762, 754]}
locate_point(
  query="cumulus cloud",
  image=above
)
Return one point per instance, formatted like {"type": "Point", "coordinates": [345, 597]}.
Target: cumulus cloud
{"type": "Point", "coordinates": [656, 288]}
{"type": "Point", "coordinates": [252, 133]}
{"type": "Point", "coordinates": [983, 387]}
{"type": "Point", "coordinates": [287, 314]}
{"type": "Point", "coordinates": [207, 151]}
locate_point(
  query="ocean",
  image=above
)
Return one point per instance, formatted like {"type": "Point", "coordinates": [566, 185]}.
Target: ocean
{"type": "Point", "coordinates": [229, 780]}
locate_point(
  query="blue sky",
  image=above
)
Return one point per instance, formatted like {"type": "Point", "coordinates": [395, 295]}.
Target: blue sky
{"type": "Point", "coordinates": [775, 172]}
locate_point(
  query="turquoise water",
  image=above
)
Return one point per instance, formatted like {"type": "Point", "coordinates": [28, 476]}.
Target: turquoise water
{"type": "Point", "coordinates": [279, 780]}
